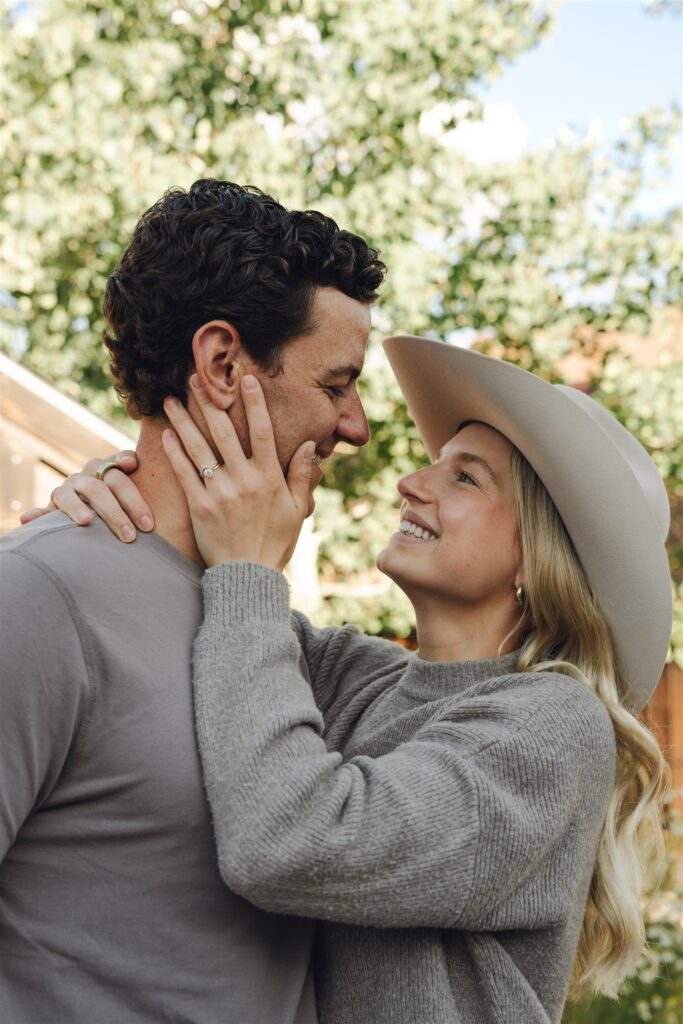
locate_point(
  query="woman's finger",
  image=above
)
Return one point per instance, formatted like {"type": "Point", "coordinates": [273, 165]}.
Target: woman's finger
{"type": "Point", "coordinates": [126, 493]}
{"type": "Point", "coordinates": [67, 498]}
{"type": "Point", "coordinates": [35, 513]}
{"type": "Point", "coordinates": [184, 470]}
{"type": "Point", "coordinates": [299, 476]}
{"type": "Point", "coordinates": [80, 495]}
{"type": "Point", "coordinates": [261, 436]}
{"type": "Point", "coordinates": [220, 425]}
{"type": "Point", "coordinates": [193, 441]}
{"type": "Point", "coordinates": [126, 460]}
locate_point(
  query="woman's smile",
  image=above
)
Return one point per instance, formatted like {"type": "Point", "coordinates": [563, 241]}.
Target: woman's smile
{"type": "Point", "coordinates": [410, 531]}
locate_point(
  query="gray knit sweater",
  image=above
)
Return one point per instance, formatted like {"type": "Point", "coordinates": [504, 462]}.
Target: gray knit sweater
{"type": "Point", "coordinates": [439, 819]}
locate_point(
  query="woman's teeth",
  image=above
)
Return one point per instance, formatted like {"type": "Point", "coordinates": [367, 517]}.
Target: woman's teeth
{"type": "Point", "coordinates": [416, 531]}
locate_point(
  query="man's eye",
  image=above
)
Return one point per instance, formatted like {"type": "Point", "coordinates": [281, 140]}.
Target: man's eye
{"type": "Point", "coordinates": [335, 392]}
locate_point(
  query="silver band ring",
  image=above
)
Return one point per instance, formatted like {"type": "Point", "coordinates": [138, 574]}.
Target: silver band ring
{"type": "Point", "coordinates": [104, 468]}
{"type": "Point", "coordinates": [208, 471]}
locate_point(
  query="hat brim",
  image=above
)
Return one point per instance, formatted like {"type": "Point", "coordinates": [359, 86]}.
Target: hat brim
{"type": "Point", "coordinates": [596, 492]}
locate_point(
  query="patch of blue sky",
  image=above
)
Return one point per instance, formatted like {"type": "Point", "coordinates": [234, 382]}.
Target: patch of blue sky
{"type": "Point", "coordinates": [604, 62]}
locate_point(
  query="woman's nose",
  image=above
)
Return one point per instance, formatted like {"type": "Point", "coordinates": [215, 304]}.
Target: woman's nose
{"type": "Point", "coordinates": [415, 485]}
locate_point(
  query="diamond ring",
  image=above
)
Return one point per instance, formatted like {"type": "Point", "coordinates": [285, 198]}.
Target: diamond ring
{"type": "Point", "coordinates": [208, 471]}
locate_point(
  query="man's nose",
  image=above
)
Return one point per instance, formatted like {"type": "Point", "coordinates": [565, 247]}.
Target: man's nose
{"type": "Point", "coordinates": [353, 424]}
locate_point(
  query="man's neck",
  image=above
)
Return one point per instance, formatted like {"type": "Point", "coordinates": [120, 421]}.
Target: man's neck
{"type": "Point", "coordinates": [162, 492]}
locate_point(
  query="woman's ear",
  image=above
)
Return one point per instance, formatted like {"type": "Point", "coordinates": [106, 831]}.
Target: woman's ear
{"type": "Point", "coordinates": [217, 350]}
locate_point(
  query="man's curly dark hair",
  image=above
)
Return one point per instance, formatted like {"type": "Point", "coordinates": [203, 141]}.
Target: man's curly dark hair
{"type": "Point", "coordinates": [221, 251]}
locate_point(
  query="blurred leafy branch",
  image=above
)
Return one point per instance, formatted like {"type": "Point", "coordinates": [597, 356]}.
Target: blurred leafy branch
{"type": "Point", "coordinates": [369, 111]}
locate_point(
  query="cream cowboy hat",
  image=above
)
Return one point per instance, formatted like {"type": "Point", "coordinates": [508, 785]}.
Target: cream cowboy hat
{"type": "Point", "coordinates": [605, 486]}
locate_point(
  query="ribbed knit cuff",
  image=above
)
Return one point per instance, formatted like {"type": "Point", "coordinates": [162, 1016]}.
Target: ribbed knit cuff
{"type": "Point", "coordinates": [244, 591]}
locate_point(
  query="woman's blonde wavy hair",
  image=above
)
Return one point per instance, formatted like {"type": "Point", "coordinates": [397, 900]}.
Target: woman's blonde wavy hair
{"type": "Point", "coordinates": [564, 630]}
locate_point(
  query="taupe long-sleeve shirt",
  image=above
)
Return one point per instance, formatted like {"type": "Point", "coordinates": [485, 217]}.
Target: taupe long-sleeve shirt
{"type": "Point", "coordinates": [112, 910]}
{"type": "Point", "coordinates": [441, 819]}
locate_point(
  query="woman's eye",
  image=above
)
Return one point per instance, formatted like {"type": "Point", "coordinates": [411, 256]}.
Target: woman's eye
{"type": "Point", "coordinates": [466, 478]}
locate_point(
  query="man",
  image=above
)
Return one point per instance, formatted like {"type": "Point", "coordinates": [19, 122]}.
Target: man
{"type": "Point", "coordinates": [111, 905]}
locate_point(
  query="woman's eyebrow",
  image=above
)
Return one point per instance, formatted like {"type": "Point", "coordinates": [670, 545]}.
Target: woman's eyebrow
{"type": "Point", "coordinates": [470, 457]}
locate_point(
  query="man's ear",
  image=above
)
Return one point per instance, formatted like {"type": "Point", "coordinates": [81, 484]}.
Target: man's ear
{"type": "Point", "coordinates": [217, 350]}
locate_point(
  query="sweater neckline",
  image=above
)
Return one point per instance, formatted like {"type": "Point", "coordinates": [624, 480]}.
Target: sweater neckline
{"type": "Point", "coordinates": [430, 680]}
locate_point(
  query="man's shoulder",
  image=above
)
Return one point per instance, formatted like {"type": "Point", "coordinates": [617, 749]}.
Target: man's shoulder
{"type": "Point", "coordinates": [24, 536]}
{"type": "Point", "coordinates": [54, 542]}
{"type": "Point", "coordinates": [80, 557]}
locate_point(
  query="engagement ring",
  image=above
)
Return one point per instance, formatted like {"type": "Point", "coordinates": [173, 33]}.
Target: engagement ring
{"type": "Point", "coordinates": [208, 471]}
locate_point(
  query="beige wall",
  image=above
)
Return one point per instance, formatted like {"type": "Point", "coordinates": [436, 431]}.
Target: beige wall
{"type": "Point", "coordinates": [44, 436]}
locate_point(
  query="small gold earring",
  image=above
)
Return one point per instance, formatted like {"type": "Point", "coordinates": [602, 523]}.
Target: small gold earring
{"type": "Point", "coordinates": [519, 595]}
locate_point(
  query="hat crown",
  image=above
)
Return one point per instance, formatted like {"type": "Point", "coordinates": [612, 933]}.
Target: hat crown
{"type": "Point", "coordinates": [633, 454]}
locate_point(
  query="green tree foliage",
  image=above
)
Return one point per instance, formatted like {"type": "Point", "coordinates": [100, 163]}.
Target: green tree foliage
{"type": "Point", "coordinates": [107, 104]}
{"type": "Point", "coordinates": [368, 110]}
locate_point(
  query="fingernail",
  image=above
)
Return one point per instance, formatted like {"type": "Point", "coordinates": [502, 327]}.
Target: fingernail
{"type": "Point", "coordinates": [82, 515]}
{"type": "Point", "coordinates": [146, 522]}
{"type": "Point", "coordinates": [128, 533]}
{"type": "Point", "coordinates": [171, 403]}
{"type": "Point", "coordinates": [195, 382]}
{"type": "Point", "coordinates": [250, 382]}
{"type": "Point", "coordinates": [309, 450]}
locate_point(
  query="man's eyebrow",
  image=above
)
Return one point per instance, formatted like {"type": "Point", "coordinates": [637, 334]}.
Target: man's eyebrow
{"type": "Point", "coordinates": [351, 371]}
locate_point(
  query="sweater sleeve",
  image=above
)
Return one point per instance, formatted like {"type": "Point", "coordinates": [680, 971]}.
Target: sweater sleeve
{"type": "Point", "coordinates": [450, 829]}
{"type": "Point", "coordinates": [44, 689]}
{"type": "Point", "coordinates": [341, 661]}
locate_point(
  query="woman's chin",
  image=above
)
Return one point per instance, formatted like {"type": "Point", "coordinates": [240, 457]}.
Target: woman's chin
{"type": "Point", "coordinates": [386, 563]}
{"type": "Point", "coordinates": [381, 560]}
{"type": "Point", "coordinates": [392, 556]}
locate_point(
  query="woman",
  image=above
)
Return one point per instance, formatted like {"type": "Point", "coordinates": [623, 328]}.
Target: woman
{"type": "Point", "coordinates": [473, 826]}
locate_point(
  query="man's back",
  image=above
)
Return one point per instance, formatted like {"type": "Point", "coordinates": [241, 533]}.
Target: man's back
{"type": "Point", "coordinates": [111, 905]}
